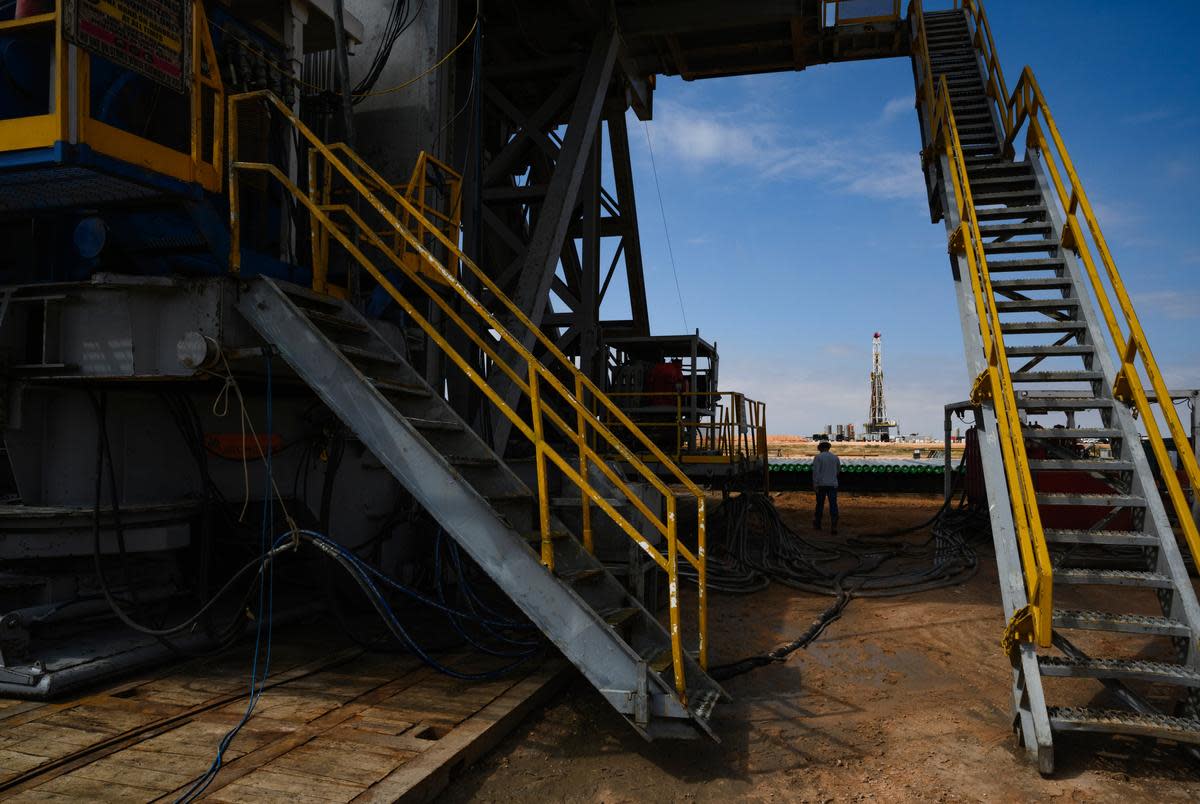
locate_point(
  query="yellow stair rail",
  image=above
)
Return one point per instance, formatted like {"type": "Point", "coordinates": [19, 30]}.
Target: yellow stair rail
{"type": "Point", "coordinates": [995, 384]}
{"type": "Point", "coordinates": [1026, 110]}
{"type": "Point", "coordinates": [554, 391]}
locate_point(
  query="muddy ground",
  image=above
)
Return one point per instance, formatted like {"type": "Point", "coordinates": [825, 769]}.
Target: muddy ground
{"type": "Point", "coordinates": [902, 699]}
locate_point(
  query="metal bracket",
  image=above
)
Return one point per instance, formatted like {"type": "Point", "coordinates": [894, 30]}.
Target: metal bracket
{"type": "Point", "coordinates": [1122, 391]}
{"type": "Point", "coordinates": [956, 243]}
{"type": "Point", "coordinates": [981, 389]}
{"type": "Point", "coordinates": [1019, 629]}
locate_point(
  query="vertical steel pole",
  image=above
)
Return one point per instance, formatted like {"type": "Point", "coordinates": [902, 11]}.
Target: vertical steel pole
{"type": "Point", "coordinates": [539, 446]}
{"type": "Point", "coordinates": [343, 75]}
{"type": "Point", "coordinates": [947, 485]}
{"type": "Point", "coordinates": [585, 501]}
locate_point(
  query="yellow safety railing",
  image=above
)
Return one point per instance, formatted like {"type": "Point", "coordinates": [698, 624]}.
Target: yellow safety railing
{"type": "Point", "coordinates": [1026, 110]}
{"type": "Point", "coordinates": [735, 432]}
{"type": "Point", "coordinates": [68, 117]}
{"type": "Point", "coordinates": [995, 384]}
{"type": "Point", "coordinates": [554, 391]}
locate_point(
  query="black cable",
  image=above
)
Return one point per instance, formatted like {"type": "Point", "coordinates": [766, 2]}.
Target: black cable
{"type": "Point", "coordinates": [752, 546]}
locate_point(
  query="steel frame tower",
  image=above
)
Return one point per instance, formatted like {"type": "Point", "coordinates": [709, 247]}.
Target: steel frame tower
{"type": "Point", "coordinates": [878, 423]}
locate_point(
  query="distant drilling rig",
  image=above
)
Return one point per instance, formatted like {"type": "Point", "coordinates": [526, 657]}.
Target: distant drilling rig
{"type": "Point", "coordinates": [878, 426]}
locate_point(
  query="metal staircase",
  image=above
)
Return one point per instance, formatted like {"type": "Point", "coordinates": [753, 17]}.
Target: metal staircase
{"type": "Point", "coordinates": [641, 667]}
{"type": "Point", "coordinates": [1084, 542]}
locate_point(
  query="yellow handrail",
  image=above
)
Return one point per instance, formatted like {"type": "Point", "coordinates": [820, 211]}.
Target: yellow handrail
{"type": "Point", "coordinates": [734, 438]}
{"type": "Point", "coordinates": [995, 383]}
{"type": "Point", "coordinates": [1021, 111]}
{"type": "Point", "coordinates": [1026, 105]}
{"type": "Point", "coordinates": [539, 377]}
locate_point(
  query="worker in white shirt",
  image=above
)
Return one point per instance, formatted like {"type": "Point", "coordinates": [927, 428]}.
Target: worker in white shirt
{"type": "Point", "coordinates": [825, 468]}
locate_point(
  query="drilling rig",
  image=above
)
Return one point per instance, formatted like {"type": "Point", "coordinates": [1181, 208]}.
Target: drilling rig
{"type": "Point", "coordinates": [878, 426]}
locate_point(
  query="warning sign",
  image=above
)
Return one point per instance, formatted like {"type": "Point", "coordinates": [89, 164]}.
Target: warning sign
{"type": "Point", "coordinates": [150, 37]}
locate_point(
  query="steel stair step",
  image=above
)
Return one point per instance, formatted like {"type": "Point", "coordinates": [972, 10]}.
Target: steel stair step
{"type": "Point", "coordinates": [1021, 246]}
{"type": "Point", "coordinates": [662, 661]}
{"type": "Point", "coordinates": [1030, 400]}
{"type": "Point", "coordinates": [332, 321]}
{"type": "Point", "coordinates": [310, 297]}
{"type": "Point", "coordinates": [1029, 264]}
{"type": "Point", "coordinates": [399, 388]}
{"type": "Point", "coordinates": [1004, 213]}
{"type": "Point", "coordinates": [1120, 669]}
{"type": "Point", "coordinates": [1023, 327]}
{"type": "Point", "coordinates": [1079, 465]}
{"type": "Point", "coordinates": [1006, 197]}
{"type": "Point", "coordinates": [1032, 283]}
{"type": "Point", "coordinates": [1053, 350]}
{"type": "Point", "coordinates": [1088, 620]}
{"type": "Point", "coordinates": [1029, 227]}
{"type": "Point", "coordinates": [1071, 432]}
{"type": "Point", "coordinates": [435, 425]}
{"type": "Point", "coordinates": [1026, 305]}
{"type": "Point", "coordinates": [1108, 577]}
{"type": "Point", "coordinates": [582, 576]}
{"type": "Point", "coordinates": [367, 355]}
{"type": "Point", "coordinates": [617, 618]}
{"type": "Point", "coordinates": [1091, 500]}
{"type": "Point", "coordinates": [471, 461]}
{"type": "Point", "coordinates": [577, 502]}
{"type": "Point", "coordinates": [1101, 537]}
{"type": "Point", "coordinates": [1057, 376]}
{"type": "Point", "coordinates": [536, 537]}
{"type": "Point", "coordinates": [1115, 721]}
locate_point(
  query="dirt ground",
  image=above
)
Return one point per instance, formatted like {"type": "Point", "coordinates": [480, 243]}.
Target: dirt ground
{"type": "Point", "coordinates": [902, 699]}
{"type": "Point", "coordinates": [792, 446]}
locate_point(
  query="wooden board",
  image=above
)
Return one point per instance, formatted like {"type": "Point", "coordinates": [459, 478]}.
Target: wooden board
{"type": "Point", "coordinates": [334, 724]}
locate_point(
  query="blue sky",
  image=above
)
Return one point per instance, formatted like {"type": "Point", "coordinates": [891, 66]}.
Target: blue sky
{"type": "Point", "coordinates": [796, 212]}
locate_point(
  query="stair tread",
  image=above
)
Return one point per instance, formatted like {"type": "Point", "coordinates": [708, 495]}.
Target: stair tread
{"type": "Point", "coordinates": [1051, 350]}
{"type": "Point", "coordinates": [388, 386]}
{"type": "Point", "coordinates": [1126, 623]}
{"type": "Point", "coordinates": [576, 502]}
{"type": "Point", "coordinates": [618, 617]}
{"type": "Point", "coordinates": [1113, 577]}
{"type": "Point", "coordinates": [434, 424]}
{"type": "Point", "coordinates": [1108, 537]}
{"type": "Point", "coordinates": [582, 575]}
{"type": "Point", "coordinates": [1031, 400]}
{"type": "Point", "coordinates": [1081, 465]}
{"type": "Point", "coordinates": [1056, 376]}
{"type": "Point", "coordinates": [1119, 668]}
{"type": "Point", "coordinates": [1028, 210]}
{"type": "Point", "coordinates": [1088, 499]}
{"type": "Point", "coordinates": [367, 354]}
{"type": "Point", "coordinates": [1071, 432]}
{"type": "Point", "coordinates": [1117, 721]}
{"type": "Point", "coordinates": [297, 292]}
{"type": "Point", "coordinates": [333, 320]}
{"type": "Point", "coordinates": [1017, 246]}
{"type": "Point", "coordinates": [1041, 326]}
{"type": "Point", "coordinates": [1031, 283]}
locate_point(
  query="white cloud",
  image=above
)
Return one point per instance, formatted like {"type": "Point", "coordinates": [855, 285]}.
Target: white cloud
{"type": "Point", "coordinates": [1173, 305]}
{"type": "Point", "coordinates": [896, 107]}
{"type": "Point", "coordinates": [704, 139]}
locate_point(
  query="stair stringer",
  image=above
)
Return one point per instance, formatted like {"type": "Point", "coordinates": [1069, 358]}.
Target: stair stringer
{"type": "Point", "coordinates": [580, 633]}
{"type": "Point", "coordinates": [1031, 717]}
{"type": "Point", "coordinates": [1184, 605]}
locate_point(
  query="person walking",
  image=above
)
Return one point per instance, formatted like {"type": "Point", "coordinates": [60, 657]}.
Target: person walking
{"type": "Point", "coordinates": [825, 467]}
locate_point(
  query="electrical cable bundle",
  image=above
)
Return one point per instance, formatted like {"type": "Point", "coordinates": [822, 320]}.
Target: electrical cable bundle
{"type": "Point", "coordinates": [400, 19]}
{"type": "Point", "coordinates": [751, 545]}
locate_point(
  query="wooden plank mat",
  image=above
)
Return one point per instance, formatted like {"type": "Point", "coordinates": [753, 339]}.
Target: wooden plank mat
{"type": "Point", "coordinates": [334, 725]}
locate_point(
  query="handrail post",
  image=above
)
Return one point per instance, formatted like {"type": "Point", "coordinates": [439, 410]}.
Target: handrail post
{"type": "Point", "coordinates": [673, 590]}
{"type": "Point", "coordinates": [235, 206]}
{"type": "Point", "coordinates": [586, 503]}
{"type": "Point", "coordinates": [319, 276]}
{"type": "Point", "coordinates": [539, 447]}
{"type": "Point", "coordinates": [702, 580]}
